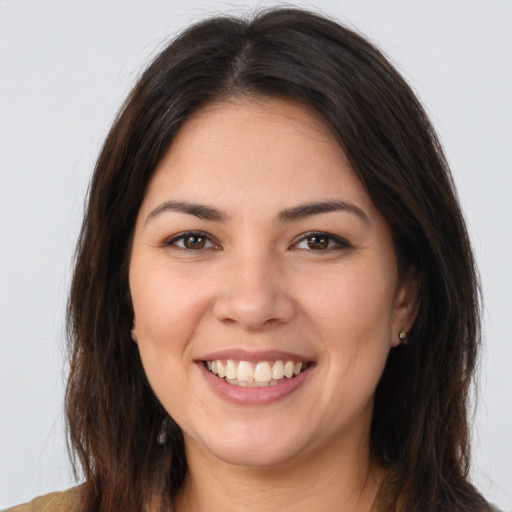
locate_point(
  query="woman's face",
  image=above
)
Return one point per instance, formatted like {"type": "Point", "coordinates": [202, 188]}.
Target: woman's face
{"type": "Point", "coordinates": [258, 255]}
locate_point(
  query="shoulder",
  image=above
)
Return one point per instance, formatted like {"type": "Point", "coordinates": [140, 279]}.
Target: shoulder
{"type": "Point", "coordinates": [66, 501]}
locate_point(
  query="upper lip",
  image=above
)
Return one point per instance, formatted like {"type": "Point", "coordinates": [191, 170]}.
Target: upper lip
{"type": "Point", "coordinates": [253, 356]}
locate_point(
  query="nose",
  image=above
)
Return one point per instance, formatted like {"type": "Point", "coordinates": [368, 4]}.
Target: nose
{"type": "Point", "coordinates": [253, 295]}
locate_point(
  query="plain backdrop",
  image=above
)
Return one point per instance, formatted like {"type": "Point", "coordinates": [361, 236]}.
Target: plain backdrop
{"type": "Point", "coordinates": [65, 68]}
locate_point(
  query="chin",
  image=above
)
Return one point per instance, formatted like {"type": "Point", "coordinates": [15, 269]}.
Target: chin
{"type": "Point", "coordinates": [255, 457]}
{"type": "Point", "coordinates": [255, 450]}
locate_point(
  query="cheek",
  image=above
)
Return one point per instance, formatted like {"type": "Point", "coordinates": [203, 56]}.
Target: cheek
{"type": "Point", "coordinates": [165, 305]}
{"type": "Point", "coordinates": [354, 307]}
{"type": "Point", "coordinates": [353, 317]}
{"type": "Point", "coordinates": [163, 321]}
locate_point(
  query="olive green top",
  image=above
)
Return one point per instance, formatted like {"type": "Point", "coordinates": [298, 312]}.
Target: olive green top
{"type": "Point", "coordinates": [66, 501]}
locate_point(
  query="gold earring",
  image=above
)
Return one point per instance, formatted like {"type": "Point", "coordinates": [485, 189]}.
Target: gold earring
{"type": "Point", "coordinates": [403, 336]}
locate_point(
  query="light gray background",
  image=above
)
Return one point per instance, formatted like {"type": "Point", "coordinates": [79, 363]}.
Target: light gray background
{"type": "Point", "coordinates": [65, 68]}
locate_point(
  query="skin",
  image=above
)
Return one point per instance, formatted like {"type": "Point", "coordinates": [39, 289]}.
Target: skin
{"type": "Point", "coordinates": [256, 284]}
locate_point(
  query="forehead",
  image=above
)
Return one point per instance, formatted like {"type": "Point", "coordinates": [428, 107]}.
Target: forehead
{"type": "Point", "coordinates": [274, 150]}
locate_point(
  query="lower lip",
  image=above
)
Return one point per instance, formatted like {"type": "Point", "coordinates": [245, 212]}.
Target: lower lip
{"type": "Point", "coordinates": [253, 396]}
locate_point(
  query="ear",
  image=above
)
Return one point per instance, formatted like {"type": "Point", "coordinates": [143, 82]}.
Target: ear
{"type": "Point", "coordinates": [406, 305]}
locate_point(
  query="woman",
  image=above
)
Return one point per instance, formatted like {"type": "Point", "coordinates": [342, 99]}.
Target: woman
{"type": "Point", "coordinates": [274, 303]}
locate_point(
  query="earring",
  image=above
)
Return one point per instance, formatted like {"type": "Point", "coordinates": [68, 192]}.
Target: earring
{"type": "Point", "coordinates": [403, 336]}
{"type": "Point", "coordinates": [162, 435]}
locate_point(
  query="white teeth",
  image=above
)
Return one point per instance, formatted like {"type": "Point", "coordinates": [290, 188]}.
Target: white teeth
{"type": "Point", "coordinates": [278, 370]}
{"type": "Point", "coordinates": [245, 372]}
{"type": "Point", "coordinates": [263, 373]}
{"type": "Point", "coordinates": [236, 382]}
{"type": "Point", "coordinates": [260, 374]}
{"type": "Point", "coordinates": [230, 369]}
{"type": "Point", "coordinates": [288, 369]}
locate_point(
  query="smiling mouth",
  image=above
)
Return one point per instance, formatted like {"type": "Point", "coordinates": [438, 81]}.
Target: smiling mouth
{"type": "Point", "coordinates": [255, 374]}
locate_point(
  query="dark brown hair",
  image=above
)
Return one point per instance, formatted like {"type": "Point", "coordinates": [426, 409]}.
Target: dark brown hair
{"type": "Point", "coordinates": [131, 452]}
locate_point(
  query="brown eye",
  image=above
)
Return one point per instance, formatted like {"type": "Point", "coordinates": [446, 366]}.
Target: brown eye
{"type": "Point", "coordinates": [194, 242]}
{"type": "Point", "coordinates": [321, 242]}
{"type": "Point", "coordinates": [318, 242]}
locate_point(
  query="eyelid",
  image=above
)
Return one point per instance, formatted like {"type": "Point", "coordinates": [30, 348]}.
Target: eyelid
{"type": "Point", "coordinates": [340, 243]}
{"type": "Point", "coordinates": [172, 241]}
{"type": "Point", "coordinates": [335, 242]}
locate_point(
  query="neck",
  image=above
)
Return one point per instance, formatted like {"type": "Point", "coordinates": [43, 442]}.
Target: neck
{"type": "Point", "coordinates": [347, 483]}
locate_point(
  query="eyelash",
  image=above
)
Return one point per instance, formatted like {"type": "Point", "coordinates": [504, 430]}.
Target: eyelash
{"type": "Point", "coordinates": [325, 241]}
{"type": "Point", "coordinates": [189, 235]}
{"type": "Point", "coordinates": [333, 242]}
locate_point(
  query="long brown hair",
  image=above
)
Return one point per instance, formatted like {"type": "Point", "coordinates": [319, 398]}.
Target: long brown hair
{"type": "Point", "coordinates": [130, 451]}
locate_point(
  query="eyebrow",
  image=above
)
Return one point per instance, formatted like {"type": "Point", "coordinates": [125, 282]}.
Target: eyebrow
{"type": "Point", "coordinates": [209, 213]}
{"type": "Point", "coordinates": [197, 210]}
{"type": "Point", "coordinates": [306, 210]}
